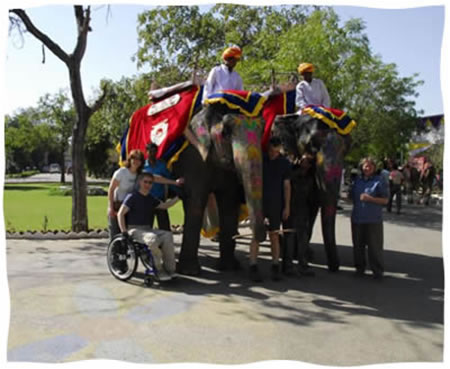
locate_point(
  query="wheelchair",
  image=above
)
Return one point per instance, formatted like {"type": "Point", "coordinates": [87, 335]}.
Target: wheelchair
{"type": "Point", "coordinates": [123, 256]}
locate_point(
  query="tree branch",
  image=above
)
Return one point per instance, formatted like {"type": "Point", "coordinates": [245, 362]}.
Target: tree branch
{"type": "Point", "coordinates": [99, 102]}
{"type": "Point", "coordinates": [83, 19]}
{"type": "Point", "coordinates": [51, 45]}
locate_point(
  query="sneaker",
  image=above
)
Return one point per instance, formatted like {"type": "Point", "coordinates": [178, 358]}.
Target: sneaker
{"type": "Point", "coordinates": [162, 276]}
{"type": "Point", "coordinates": [255, 276]}
{"type": "Point", "coordinates": [305, 271]}
{"type": "Point", "coordinates": [276, 275]}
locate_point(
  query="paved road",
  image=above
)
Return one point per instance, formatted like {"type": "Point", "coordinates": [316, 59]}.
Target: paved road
{"type": "Point", "coordinates": [50, 177]}
{"type": "Point", "coordinates": [65, 306]}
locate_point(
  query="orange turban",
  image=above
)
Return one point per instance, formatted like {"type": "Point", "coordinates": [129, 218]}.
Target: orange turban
{"type": "Point", "coordinates": [305, 67]}
{"type": "Point", "coordinates": [232, 52]}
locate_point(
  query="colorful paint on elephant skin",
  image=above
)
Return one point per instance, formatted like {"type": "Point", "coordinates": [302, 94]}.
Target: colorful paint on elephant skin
{"type": "Point", "coordinates": [252, 123]}
{"type": "Point", "coordinates": [253, 138]}
{"type": "Point", "coordinates": [254, 153]}
{"type": "Point", "coordinates": [201, 131]}
{"type": "Point", "coordinates": [216, 132]}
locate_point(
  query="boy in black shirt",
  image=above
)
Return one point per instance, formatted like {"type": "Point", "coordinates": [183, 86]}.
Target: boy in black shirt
{"type": "Point", "coordinates": [276, 205]}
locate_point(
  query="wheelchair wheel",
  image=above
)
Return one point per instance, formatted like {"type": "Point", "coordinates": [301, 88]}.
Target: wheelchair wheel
{"type": "Point", "coordinates": [121, 263]}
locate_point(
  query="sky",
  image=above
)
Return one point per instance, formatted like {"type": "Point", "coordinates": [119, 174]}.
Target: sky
{"type": "Point", "coordinates": [409, 37]}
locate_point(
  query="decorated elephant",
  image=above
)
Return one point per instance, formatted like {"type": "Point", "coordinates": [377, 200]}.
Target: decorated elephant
{"type": "Point", "coordinates": [231, 127]}
{"type": "Point", "coordinates": [326, 135]}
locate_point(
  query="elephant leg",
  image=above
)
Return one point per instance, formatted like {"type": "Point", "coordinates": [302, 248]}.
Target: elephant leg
{"type": "Point", "coordinates": [313, 211]}
{"type": "Point", "coordinates": [328, 217]}
{"type": "Point", "coordinates": [194, 207]}
{"type": "Point", "coordinates": [228, 205]}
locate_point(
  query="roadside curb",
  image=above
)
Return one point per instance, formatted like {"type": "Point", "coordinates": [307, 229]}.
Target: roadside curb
{"type": "Point", "coordinates": [69, 235]}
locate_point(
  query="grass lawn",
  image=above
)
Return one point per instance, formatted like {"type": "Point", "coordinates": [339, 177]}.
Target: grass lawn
{"type": "Point", "coordinates": [25, 207]}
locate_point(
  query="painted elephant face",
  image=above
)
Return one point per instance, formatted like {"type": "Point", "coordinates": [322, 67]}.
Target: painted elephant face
{"type": "Point", "coordinates": [303, 133]}
{"type": "Point", "coordinates": [234, 142]}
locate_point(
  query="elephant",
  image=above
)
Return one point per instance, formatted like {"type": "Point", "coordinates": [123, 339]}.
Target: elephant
{"type": "Point", "coordinates": [304, 133]}
{"type": "Point", "coordinates": [233, 134]}
{"type": "Point", "coordinates": [234, 161]}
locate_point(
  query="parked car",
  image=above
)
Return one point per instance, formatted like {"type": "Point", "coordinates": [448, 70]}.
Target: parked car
{"type": "Point", "coordinates": [54, 168]}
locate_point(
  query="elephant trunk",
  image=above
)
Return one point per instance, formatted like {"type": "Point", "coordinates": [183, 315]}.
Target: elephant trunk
{"type": "Point", "coordinates": [247, 156]}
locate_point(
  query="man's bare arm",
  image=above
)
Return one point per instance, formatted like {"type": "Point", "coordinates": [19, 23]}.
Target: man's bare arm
{"type": "Point", "coordinates": [121, 217]}
{"type": "Point", "coordinates": [168, 203]}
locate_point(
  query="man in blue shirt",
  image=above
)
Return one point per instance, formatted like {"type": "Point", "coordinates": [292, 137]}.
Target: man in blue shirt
{"type": "Point", "coordinates": [158, 191]}
{"type": "Point", "coordinates": [369, 194]}
{"type": "Point", "coordinates": [134, 218]}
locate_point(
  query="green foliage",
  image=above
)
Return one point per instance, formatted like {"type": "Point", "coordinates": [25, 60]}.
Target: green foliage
{"type": "Point", "coordinates": [278, 39]}
{"type": "Point", "coordinates": [27, 141]}
{"type": "Point", "coordinates": [110, 121]}
{"type": "Point", "coordinates": [60, 191]}
{"type": "Point", "coordinates": [24, 174]}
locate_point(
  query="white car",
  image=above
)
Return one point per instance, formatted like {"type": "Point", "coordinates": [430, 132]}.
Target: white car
{"type": "Point", "coordinates": [54, 168]}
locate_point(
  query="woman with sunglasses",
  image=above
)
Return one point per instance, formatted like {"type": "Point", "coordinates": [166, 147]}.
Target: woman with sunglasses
{"type": "Point", "coordinates": [122, 183]}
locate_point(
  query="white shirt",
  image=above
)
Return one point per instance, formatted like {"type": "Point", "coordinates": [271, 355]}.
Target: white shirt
{"type": "Point", "coordinates": [126, 181]}
{"type": "Point", "coordinates": [220, 78]}
{"type": "Point", "coordinates": [311, 93]}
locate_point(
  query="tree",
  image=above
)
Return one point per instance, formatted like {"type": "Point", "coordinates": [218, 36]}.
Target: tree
{"type": "Point", "coordinates": [173, 47]}
{"type": "Point", "coordinates": [110, 121]}
{"type": "Point", "coordinates": [83, 111]}
{"type": "Point", "coordinates": [29, 140]}
{"type": "Point", "coordinates": [278, 39]}
{"type": "Point", "coordinates": [59, 113]}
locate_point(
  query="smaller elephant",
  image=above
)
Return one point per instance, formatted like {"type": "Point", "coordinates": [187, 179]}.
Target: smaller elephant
{"type": "Point", "coordinates": [304, 133]}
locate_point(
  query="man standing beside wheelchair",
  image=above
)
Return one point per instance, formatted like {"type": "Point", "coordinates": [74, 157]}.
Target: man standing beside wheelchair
{"type": "Point", "coordinates": [134, 217]}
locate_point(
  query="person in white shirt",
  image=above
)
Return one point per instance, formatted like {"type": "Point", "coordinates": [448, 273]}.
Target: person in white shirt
{"type": "Point", "coordinates": [310, 91]}
{"type": "Point", "coordinates": [221, 77]}
{"type": "Point", "coordinates": [224, 77]}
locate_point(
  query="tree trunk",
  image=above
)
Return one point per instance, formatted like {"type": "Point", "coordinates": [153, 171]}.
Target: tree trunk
{"type": "Point", "coordinates": [63, 168]}
{"type": "Point", "coordinates": [79, 185]}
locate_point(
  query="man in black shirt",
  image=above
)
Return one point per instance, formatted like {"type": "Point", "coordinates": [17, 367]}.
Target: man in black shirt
{"type": "Point", "coordinates": [302, 200]}
{"type": "Point", "coordinates": [276, 205]}
{"type": "Point", "coordinates": [137, 212]}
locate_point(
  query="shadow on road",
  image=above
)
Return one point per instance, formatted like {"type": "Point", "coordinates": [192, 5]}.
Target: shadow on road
{"type": "Point", "coordinates": [413, 289]}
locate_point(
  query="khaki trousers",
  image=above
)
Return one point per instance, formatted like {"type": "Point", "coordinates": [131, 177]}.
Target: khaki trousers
{"type": "Point", "coordinates": [160, 243]}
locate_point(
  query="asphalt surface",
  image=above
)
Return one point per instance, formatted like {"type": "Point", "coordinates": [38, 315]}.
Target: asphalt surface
{"type": "Point", "coordinates": [51, 177]}
{"type": "Point", "coordinates": [66, 306]}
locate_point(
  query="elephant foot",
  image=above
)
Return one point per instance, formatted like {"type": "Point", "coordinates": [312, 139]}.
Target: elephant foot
{"type": "Point", "coordinates": [224, 265]}
{"type": "Point", "coordinates": [193, 269]}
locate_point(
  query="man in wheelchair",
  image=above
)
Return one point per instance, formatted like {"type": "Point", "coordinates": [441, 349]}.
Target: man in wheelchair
{"type": "Point", "coordinates": [134, 217]}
